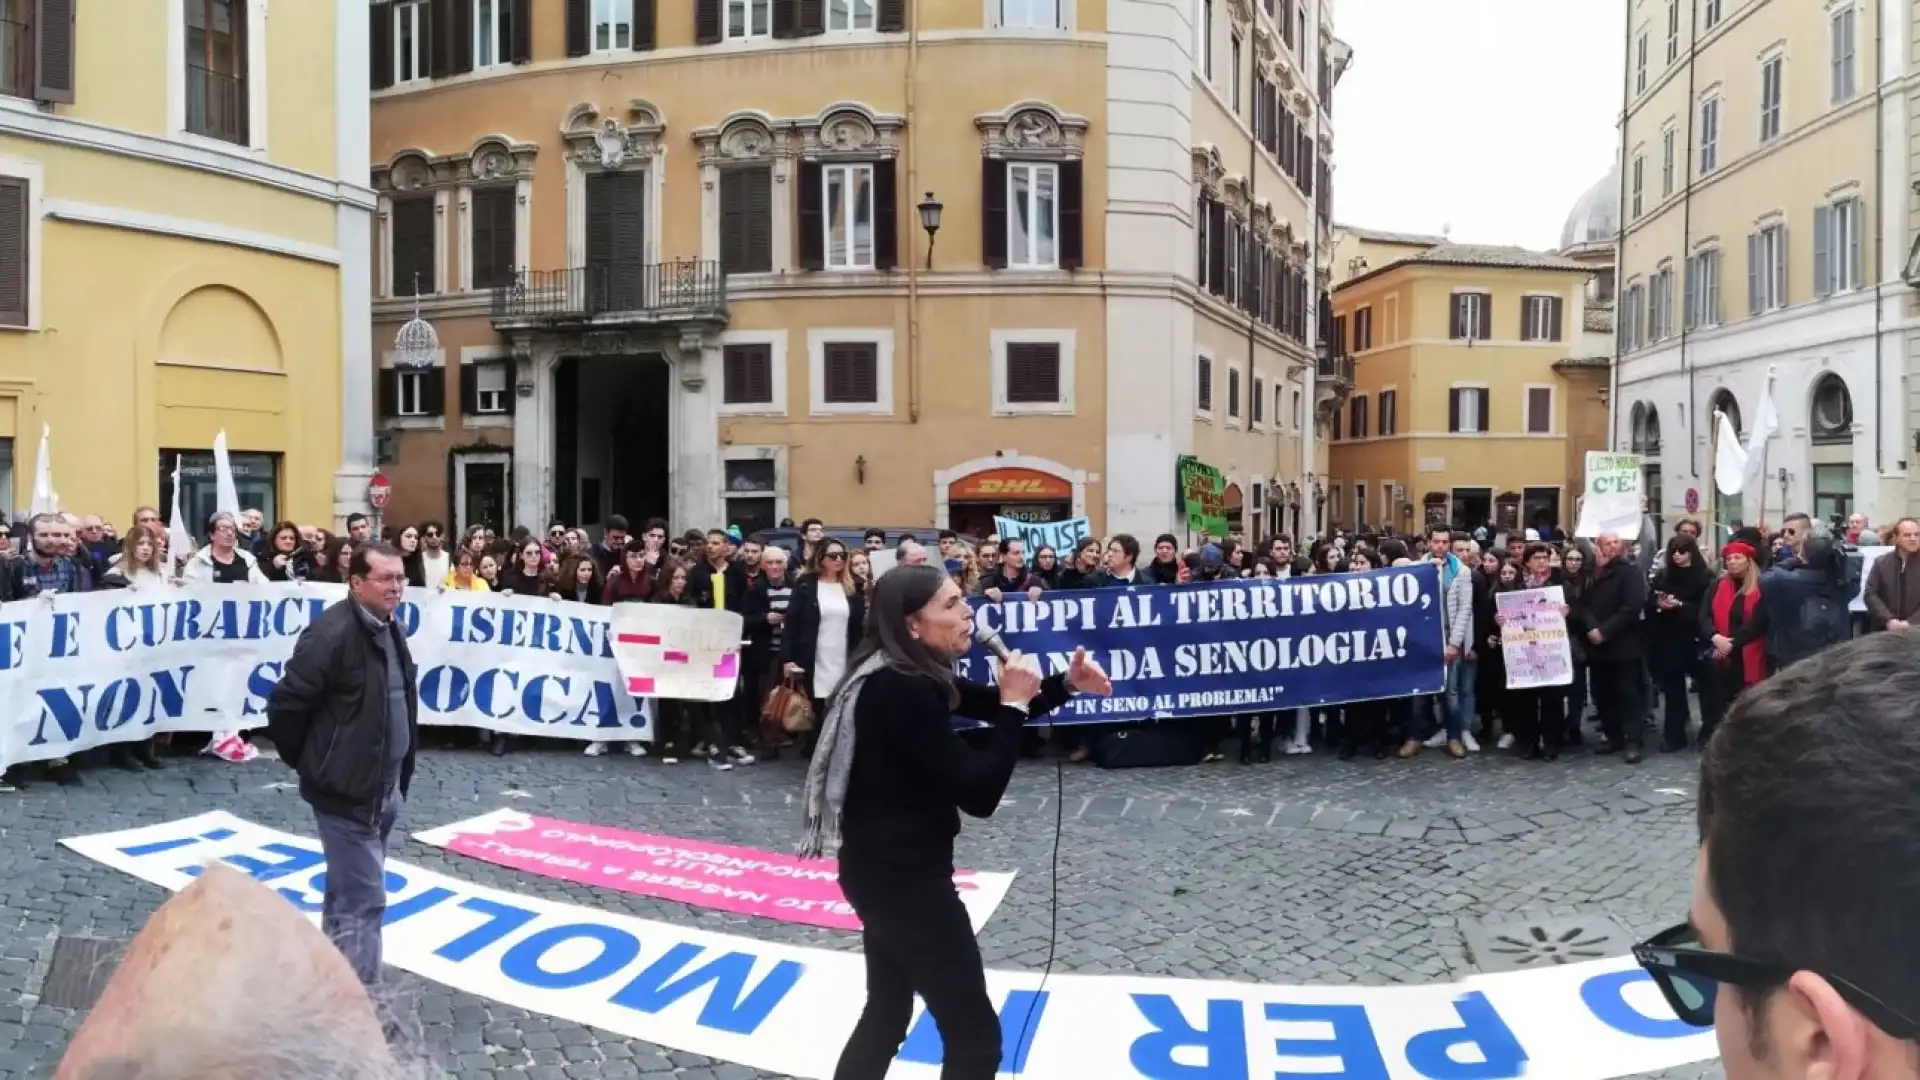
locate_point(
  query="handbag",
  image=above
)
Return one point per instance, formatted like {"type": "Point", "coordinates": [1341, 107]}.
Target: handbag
{"type": "Point", "coordinates": [787, 709]}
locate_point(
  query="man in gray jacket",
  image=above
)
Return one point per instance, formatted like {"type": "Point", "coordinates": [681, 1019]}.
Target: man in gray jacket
{"type": "Point", "coordinates": [1456, 625]}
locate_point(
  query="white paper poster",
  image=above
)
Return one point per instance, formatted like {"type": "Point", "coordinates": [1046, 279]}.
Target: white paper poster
{"type": "Point", "coordinates": [669, 651]}
{"type": "Point", "coordinates": [1613, 496]}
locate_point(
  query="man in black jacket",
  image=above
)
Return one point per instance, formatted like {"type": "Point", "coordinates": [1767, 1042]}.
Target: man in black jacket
{"type": "Point", "coordinates": [1609, 619]}
{"type": "Point", "coordinates": [345, 716]}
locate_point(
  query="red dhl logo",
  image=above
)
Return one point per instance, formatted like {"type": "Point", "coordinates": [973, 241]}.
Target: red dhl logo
{"type": "Point", "coordinates": [992, 486]}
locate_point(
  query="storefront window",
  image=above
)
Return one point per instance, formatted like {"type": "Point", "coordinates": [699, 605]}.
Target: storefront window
{"type": "Point", "coordinates": [1833, 493]}
{"type": "Point", "coordinates": [752, 489]}
{"type": "Point", "coordinates": [256, 477]}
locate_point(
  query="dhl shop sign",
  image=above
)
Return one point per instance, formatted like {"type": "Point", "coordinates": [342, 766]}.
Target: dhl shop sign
{"type": "Point", "coordinates": [995, 485]}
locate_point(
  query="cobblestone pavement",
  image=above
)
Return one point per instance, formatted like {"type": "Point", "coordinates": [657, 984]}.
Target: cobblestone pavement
{"type": "Point", "coordinates": [1307, 870]}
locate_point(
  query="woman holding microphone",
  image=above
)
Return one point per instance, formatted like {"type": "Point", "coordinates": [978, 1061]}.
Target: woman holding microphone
{"type": "Point", "coordinates": [887, 784]}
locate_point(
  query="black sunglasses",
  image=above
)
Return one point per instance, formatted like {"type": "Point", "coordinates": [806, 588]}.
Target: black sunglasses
{"type": "Point", "coordinates": [1689, 977]}
{"type": "Point", "coordinates": [833, 555]}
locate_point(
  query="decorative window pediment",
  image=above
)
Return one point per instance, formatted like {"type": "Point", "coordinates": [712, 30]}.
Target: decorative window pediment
{"type": "Point", "coordinates": [413, 170]}
{"type": "Point", "coordinates": [746, 137]}
{"type": "Point", "coordinates": [1208, 170]}
{"type": "Point", "coordinates": [1032, 131]}
{"type": "Point", "coordinates": [849, 131]}
{"type": "Point", "coordinates": [597, 141]}
{"type": "Point", "coordinates": [496, 158]}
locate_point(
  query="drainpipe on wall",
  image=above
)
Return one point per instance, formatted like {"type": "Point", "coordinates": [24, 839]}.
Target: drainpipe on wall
{"type": "Point", "coordinates": [1620, 246]}
{"type": "Point", "coordinates": [913, 185]}
{"type": "Point", "coordinates": [1312, 321]}
{"type": "Point", "coordinates": [1253, 317]}
{"type": "Point", "coordinates": [1880, 424]}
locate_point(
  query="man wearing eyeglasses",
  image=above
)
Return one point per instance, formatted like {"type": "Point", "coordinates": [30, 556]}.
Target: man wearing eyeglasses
{"type": "Point", "coordinates": [1803, 944]}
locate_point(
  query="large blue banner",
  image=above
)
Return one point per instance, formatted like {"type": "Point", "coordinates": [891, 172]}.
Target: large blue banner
{"type": "Point", "coordinates": [1246, 646]}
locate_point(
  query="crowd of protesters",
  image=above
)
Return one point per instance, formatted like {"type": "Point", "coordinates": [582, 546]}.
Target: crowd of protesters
{"type": "Point", "coordinates": [1653, 628]}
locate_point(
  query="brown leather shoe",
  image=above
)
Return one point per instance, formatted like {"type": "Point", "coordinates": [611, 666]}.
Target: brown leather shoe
{"type": "Point", "coordinates": [1456, 749]}
{"type": "Point", "coordinates": [1410, 748]}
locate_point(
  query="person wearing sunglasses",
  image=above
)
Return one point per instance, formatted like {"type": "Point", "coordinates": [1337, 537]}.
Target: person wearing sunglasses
{"type": "Point", "coordinates": [1803, 946]}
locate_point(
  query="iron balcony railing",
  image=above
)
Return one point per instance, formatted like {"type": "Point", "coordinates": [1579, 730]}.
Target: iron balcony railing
{"type": "Point", "coordinates": [653, 292]}
{"type": "Point", "coordinates": [216, 105]}
{"type": "Point", "coordinates": [1337, 369]}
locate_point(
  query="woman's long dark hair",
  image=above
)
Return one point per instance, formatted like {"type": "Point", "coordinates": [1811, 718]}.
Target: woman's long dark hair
{"type": "Point", "coordinates": [899, 594]}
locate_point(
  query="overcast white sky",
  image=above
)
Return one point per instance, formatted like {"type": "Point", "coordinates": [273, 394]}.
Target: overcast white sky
{"type": "Point", "coordinates": [1491, 116]}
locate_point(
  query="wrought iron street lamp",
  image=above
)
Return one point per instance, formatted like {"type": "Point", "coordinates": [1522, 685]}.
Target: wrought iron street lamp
{"type": "Point", "coordinates": [930, 220]}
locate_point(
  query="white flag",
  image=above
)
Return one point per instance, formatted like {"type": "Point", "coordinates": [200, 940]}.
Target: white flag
{"type": "Point", "coordinates": [45, 501]}
{"type": "Point", "coordinates": [179, 538]}
{"type": "Point", "coordinates": [226, 498]}
{"type": "Point", "coordinates": [1729, 460]}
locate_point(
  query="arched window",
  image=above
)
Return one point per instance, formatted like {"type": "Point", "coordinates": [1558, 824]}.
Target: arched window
{"type": "Point", "coordinates": [1723, 402]}
{"type": "Point", "coordinates": [1637, 428]}
{"type": "Point", "coordinates": [1651, 433]}
{"type": "Point", "coordinates": [1830, 411]}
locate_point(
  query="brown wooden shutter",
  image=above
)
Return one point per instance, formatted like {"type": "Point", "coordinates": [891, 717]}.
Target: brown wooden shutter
{"type": "Point", "coordinates": [53, 59]}
{"type": "Point", "coordinates": [433, 391]}
{"type": "Point", "coordinates": [993, 212]}
{"type": "Point", "coordinates": [708, 26]}
{"type": "Point", "coordinates": [522, 31]}
{"type": "Point", "coordinates": [733, 229]}
{"type": "Point", "coordinates": [1486, 408]}
{"type": "Point", "coordinates": [494, 228]}
{"type": "Point", "coordinates": [747, 375]}
{"type": "Point", "coordinates": [892, 17]}
{"type": "Point", "coordinates": [440, 35]}
{"type": "Point", "coordinates": [809, 18]}
{"type": "Point", "coordinates": [414, 250]}
{"type": "Point", "coordinates": [1033, 373]}
{"type": "Point", "coordinates": [1217, 247]}
{"type": "Point", "coordinates": [1072, 215]}
{"type": "Point", "coordinates": [380, 34]}
{"type": "Point", "coordinates": [15, 258]}
{"type": "Point", "coordinates": [746, 220]}
{"type": "Point", "coordinates": [811, 216]}
{"type": "Point", "coordinates": [852, 375]}
{"type": "Point", "coordinates": [1453, 408]}
{"type": "Point", "coordinates": [1485, 331]}
{"type": "Point", "coordinates": [886, 216]}
{"type": "Point", "coordinates": [579, 28]}
{"type": "Point", "coordinates": [646, 31]}
{"type": "Point", "coordinates": [1456, 319]}
{"type": "Point", "coordinates": [389, 392]}
{"type": "Point", "coordinates": [1539, 410]}
{"type": "Point", "coordinates": [1558, 309]}
{"type": "Point", "coordinates": [463, 36]}
{"type": "Point", "coordinates": [469, 390]}
{"type": "Point", "coordinates": [785, 19]}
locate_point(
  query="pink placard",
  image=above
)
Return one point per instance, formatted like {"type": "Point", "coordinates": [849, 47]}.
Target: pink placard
{"type": "Point", "coordinates": [722, 877]}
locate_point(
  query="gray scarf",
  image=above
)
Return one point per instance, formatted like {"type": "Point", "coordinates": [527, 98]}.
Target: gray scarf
{"type": "Point", "coordinates": [832, 764]}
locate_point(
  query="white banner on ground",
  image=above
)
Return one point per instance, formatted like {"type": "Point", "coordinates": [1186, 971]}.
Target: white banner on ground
{"type": "Point", "coordinates": [86, 669]}
{"type": "Point", "coordinates": [788, 1010]}
{"type": "Point", "coordinates": [1611, 503]}
{"type": "Point", "coordinates": [669, 651]}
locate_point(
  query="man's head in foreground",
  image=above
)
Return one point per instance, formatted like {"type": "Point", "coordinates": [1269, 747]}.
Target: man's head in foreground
{"type": "Point", "coordinates": [228, 982]}
{"type": "Point", "coordinates": [1807, 893]}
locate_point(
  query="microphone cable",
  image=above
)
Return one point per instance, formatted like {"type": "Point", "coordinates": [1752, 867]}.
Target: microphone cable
{"type": "Point", "coordinates": [1053, 921]}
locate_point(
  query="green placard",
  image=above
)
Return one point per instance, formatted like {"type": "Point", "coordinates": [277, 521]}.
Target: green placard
{"type": "Point", "coordinates": [1203, 490]}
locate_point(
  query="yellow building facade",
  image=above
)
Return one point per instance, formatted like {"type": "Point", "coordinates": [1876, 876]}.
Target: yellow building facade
{"type": "Point", "coordinates": [1461, 406]}
{"type": "Point", "coordinates": [184, 249]}
{"type": "Point", "coordinates": [678, 260]}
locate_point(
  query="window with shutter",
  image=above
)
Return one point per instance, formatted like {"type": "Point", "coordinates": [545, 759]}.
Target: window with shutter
{"type": "Point", "coordinates": [493, 32]}
{"type": "Point", "coordinates": [39, 60]}
{"type": "Point", "coordinates": [844, 16]}
{"type": "Point", "coordinates": [1033, 373]}
{"type": "Point", "coordinates": [1357, 417]}
{"type": "Point", "coordinates": [1257, 401]}
{"type": "Point", "coordinates": [616, 276]}
{"type": "Point", "coordinates": [993, 212]}
{"type": "Point", "coordinates": [1389, 412]}
{"type": "Point", "coordinates": [1233, 393]}
{"type": "Point", "coordinates": [746, 220]}
{"type": "Point", "coordinates": [847, 216]}
{"type": "Point", "coordinates": [852, 375]}
{"type": "Point", "coordinates": [1539, 410]}
{"type": "Point", "coordinates": [493, 238]}
{"type": "Point", "coordinates": [411, 227]}
{"type": "Point", "coordinates": [15, 264]}
{"type": "Point", "coordinates": [1033, 223]}
{"type": "Point", "coordinates": [1203, 392]}
{"type": "Point", "coordinates": [748, 375]}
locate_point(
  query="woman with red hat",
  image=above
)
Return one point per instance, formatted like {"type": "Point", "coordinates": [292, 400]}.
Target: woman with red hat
{"type": "Point", "coordinates": [1734, 625]}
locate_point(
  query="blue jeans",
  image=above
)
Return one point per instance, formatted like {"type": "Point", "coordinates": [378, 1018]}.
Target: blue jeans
{"type": "Point", "coordinates": [355, 902]}
{"type": "Point", "coordinates": [1462, 683]}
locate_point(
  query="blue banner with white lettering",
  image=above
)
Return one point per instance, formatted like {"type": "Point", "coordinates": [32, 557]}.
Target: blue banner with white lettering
{"type": "Point", "coordinates": [1228, 647]}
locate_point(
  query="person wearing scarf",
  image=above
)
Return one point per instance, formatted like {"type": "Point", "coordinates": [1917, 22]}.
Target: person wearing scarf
{"type": "Point", "coordinates": [887, 784]}
{"type": "Point", "coordinates": [1735, 625]}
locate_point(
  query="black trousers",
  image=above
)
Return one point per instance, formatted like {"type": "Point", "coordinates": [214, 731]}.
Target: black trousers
{"type": "Point", "coordinates": [1674, 701]}
{"type": "Point", "coordinates": [1617, 697]}
{"type": "Point", "coordinates": [919, 941]}
{"type": "Point", "coordinates": [1538, 720]}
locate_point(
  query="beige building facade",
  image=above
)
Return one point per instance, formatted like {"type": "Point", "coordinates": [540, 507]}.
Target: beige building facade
{"type": "Point", "coordinates": [876, 263]}
{"type": "Point", "coordinates": [1764, 208]}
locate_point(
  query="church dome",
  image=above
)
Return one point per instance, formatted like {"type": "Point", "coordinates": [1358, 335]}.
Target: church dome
{"type": "Point", "coordinates": [1595, 217]}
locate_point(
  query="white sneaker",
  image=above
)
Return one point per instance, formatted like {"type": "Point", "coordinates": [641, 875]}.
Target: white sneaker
{"type": "Point", "coordinates": [669, 760]}
{"type": "Point", "coordinates": [1506, 741]}
{"type": "Point", "coordinates": [1472, 744]}
{"type": "Point", "coordinates": [1295, 749]}
{"type": "Point", "coordinates": [1439, 740]}
{"type": "Point", "coordinates": [635, 749]}
{"type": "Point", "coordinates": [720, 764]}
{"type": "Point", "coordinates": [595, 749]}
{"type": "Point", "coordinates": [739, 756]}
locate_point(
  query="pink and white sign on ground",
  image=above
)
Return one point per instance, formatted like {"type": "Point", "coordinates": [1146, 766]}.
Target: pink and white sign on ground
{"type": "Point", "coordinates": [740, 880]}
